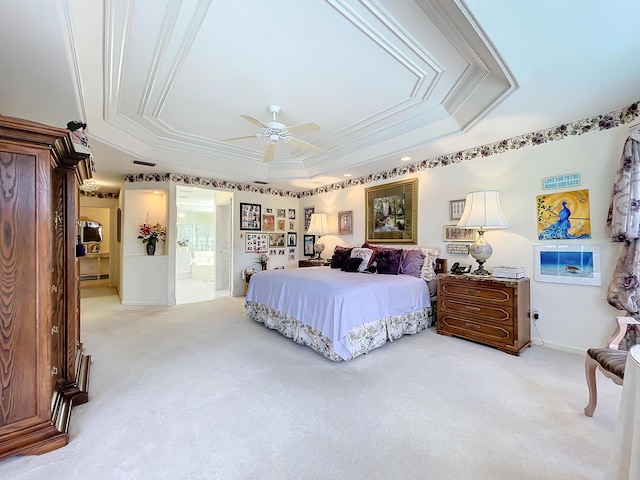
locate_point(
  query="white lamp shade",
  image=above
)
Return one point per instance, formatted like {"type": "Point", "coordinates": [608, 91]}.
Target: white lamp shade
{"type": "Point", "coordinates": [318, 224]}
{"type": "Point", "coordinates": [482, 210]}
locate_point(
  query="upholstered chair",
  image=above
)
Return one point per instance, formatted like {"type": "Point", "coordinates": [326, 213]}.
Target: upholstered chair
{"type": "Point", "coordinates": [610, 361]}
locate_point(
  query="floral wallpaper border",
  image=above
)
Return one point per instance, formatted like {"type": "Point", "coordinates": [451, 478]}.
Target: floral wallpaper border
{"type": "Point", "coordinates": [599, 122]}
{"type": "Point", "coordinates": [107, 195]}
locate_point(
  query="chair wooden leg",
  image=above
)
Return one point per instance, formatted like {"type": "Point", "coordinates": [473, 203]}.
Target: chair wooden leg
{"type": "Point", "coordinates": [590, 366]}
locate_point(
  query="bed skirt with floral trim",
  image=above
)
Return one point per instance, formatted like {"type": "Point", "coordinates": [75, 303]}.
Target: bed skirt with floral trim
{"type": "Point", "coordinates": [362, 339]}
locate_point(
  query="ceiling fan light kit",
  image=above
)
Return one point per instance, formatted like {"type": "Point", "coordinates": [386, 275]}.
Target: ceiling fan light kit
{"type": "Point", "coordinates": [275, 131]}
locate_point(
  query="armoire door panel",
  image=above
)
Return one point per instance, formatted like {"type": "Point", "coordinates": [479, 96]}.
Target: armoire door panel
{"type": "Point", "coordinates": [18, 292]}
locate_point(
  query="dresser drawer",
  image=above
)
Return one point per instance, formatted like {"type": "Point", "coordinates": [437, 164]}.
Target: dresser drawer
{"type": "Point", "coordinates": [489, 292]}
{"type": "Point", "coordinates": [495, 313]}
{"type": "Point", "coordinates": [488, 334]}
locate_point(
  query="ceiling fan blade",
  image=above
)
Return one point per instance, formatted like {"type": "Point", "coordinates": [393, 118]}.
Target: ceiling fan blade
{"type": "Point", "coordinates": [254, 120]}
{"type": "Point", "coordinates": [240, 138]}
{"type": "Point", "coordinates": [269, 152]}
{"type": "Point", "coordinates": [302, 144]}
{"type": "Point", "coordinates": [303, 127]}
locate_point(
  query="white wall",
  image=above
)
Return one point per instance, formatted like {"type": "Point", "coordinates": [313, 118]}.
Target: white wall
{"type": "Point", "coordinates": [147, 280]}
{"type": "Point", "coordinates": [573, 317]}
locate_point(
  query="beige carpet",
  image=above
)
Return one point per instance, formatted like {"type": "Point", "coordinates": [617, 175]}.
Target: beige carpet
{"type": "Point", "coordinates": [199, 391]}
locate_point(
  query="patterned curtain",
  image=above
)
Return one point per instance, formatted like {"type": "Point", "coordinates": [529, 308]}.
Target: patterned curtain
{"type": "Point", "coordinates": [623, 222]}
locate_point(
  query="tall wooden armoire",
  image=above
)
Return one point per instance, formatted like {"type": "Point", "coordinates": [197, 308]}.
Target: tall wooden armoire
{"type": "Point", "coordinates": [43, 372]}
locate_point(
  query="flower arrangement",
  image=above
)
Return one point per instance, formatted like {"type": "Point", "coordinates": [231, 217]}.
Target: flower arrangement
{"type": "Point", "coordinates": [183, 242]}
{"type": "Point", "coordinates": [151, 233]}
{"type": "Point", "coordinates": [263, 259]}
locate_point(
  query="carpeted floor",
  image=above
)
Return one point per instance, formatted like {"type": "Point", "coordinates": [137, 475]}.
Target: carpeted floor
{"type": "Point", "coordinates": [198, 391]}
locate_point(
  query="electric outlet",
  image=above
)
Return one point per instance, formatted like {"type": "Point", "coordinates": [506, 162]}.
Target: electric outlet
{"type": "Point", "coordinates": [536, 313]}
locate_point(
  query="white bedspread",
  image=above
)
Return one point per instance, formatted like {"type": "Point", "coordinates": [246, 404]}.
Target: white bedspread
{"type": "Point", "coordinates": [334, 302]}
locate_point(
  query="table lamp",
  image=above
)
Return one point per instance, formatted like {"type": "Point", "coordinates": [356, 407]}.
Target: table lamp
{"type": "Point", "coordinates": [318, 226]}
{"type": "Point", "coordinates": [482, 211]}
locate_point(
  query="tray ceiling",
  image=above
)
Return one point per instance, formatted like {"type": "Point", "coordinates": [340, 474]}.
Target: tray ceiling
{"type": "Point", "coordinates": [165, 81]}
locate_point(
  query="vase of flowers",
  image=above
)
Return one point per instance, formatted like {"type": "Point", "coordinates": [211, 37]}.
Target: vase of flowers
{"type": "Point", "coordinates": [263, 259]}
{"type": "Point", "coordinates": [183, 244]}
{"type": "Point", "coordinates": [150, 234]}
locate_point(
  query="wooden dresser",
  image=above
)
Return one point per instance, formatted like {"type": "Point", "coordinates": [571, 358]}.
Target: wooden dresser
{"type": "Point", "coordinates": [489, 310]}
{"type": "Point", "coordinates": [43, 372]}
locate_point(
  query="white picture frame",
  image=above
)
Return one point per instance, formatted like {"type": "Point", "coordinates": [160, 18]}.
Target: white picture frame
{"type": "Point", "coordinates": [573, 264]}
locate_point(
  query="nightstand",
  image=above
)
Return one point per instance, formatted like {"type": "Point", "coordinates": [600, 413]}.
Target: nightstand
{"type": "Point", "coordinates": [488, 310]}
{"type": "Point", "coordinates": [314, 263]}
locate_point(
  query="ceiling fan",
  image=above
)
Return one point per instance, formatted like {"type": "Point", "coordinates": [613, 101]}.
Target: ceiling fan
{"type": "Point", "coordinates": [276, 131]}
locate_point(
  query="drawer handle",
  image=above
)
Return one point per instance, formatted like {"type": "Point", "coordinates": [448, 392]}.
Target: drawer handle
{"type": "Point", "coordinates": [472, 309]}
{"type": "Point", "coordinates": [473, 326]}
{"type": "Point", "coordinates": [472, 291]}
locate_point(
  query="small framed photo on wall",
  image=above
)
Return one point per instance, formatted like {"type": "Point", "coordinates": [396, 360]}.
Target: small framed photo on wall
{"type": "Point", "coordinates": [309, 241]}
{"type": "Point", "coordinates": [292, 239]}
{"type": "Point", "coordinates": [456, 207]}
{"type": "Point", "coordinates": [345, 220]}
{"type": "Point", "coordinates": [268, 222]}
{"type": "Point", "coordinates": [307, 217]}
{"type": "Point", "coordinates": [276, 240]}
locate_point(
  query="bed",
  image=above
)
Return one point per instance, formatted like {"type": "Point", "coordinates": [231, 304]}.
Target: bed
{"type": "Point", "coordinates": [342, 314]}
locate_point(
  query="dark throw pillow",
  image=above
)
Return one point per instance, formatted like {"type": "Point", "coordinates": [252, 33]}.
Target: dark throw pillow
{"type": "Point", "coordinates": [351, 264]}
{"type": "Point", "coordinates": [388, 261]}
{"type": "Point", "coordinates": [340, 255]}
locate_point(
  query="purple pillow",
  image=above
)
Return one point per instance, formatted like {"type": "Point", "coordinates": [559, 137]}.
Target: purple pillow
{"type": "Point", "coordinates": [388, 261]}
{"type": "Point", "coordinates": [412, 262]}
{"type": "Point", "coordinates": [340, 255]}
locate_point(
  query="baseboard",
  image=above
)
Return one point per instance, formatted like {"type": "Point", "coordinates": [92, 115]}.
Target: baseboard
{"type": "Point", "coordinates": [556, 346]}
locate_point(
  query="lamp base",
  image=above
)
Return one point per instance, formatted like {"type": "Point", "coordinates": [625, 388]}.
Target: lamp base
{"type": "Point", "coordinates": [318, 248]}
{"type": "Point", "coordinates": [480, 271]}
{"type": "Point", "coordinates": [481, 251]}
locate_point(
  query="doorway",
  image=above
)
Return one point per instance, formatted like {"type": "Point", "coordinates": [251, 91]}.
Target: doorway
{"type": "Point", "coordinates": [94, 232]}
{"type": "Point", "coordinates": [203, 249]}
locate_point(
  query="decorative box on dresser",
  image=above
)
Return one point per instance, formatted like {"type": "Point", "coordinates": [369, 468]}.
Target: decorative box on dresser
{"type": "Point", "coordinates": [489, 310]}
{"type": "Point", "coordinates": [43, 372]}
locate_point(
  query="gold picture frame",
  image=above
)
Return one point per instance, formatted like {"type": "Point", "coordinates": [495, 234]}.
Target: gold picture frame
{"type": "Point", "coordinates": [391, 212]}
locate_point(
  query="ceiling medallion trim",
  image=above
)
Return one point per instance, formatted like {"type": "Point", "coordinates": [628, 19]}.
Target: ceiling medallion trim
{"type": "Point", "coordinates": [596, 123]}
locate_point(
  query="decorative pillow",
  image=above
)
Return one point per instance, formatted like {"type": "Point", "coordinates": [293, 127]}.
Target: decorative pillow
{"type": "Point", "coordinates": [365, 254]}
{"type": "Point", "coordinates": [340, 255]}
{"type": "Point", "coordinates": [352, 265]}
{"type": "Point", "coordinates": [374, 249]}
{"type": "Point", "coordinates": [412, 262]}
{"type": "Point", "coordinates": [430, 254]}
{"type": "Point", "coordinates": [388, 260]}
{"type": "Point", "coordinates": [428, 269]}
